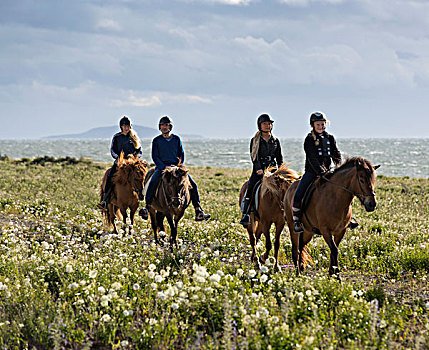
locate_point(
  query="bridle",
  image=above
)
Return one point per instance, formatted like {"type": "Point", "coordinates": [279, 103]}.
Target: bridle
{"type": "Point", "coordinates": [361, 195]}
{"type": "Point", "coordinates": [169, 203]}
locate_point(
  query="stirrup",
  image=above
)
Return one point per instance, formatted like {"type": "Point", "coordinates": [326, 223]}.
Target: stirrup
{"type": "Point", "coordinates": [298, 227]}
{"type": "Point", "coordinates": [245, 220]}
{"type": "Point", "coordinates": [102, 205]}
{"type": "Point", "coordinates": [201, 216]}
{"type": "Point", "coordinates": [144, 213]}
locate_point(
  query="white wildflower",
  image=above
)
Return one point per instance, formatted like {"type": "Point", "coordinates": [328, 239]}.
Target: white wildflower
{"type": "Point", "coordinates": [106, 318]}
{"type": "Point", "coordinates": [69, 268]}
{"type": "Point", "coordinates": [263, 278]}
{"type": "Point", "coordinates": [136, 286]}
{"type": "Point", "coordinates": [101, 290]}
{"type": "Point", "coordinates": [92, 274]}
{"type": "Point", "coordinates": [251, 273]}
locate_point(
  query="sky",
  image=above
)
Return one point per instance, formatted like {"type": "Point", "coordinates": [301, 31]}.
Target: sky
{"type": "Point", "coordinates": [214, 66]}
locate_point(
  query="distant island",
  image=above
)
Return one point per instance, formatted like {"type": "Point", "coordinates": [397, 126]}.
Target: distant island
{"type": "Point", "coordinates": [106, 132]}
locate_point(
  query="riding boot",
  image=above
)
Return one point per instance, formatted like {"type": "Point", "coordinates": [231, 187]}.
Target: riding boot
{"type": "Point", "coordinates": [200, 215]}
{"type": "Point", "coordinates": [245, 219]}
{"type": "Point", "coordinates": [106, 198]}
{"type": "Point", "coordinates": [353, 224]}
{"type": "Point", "coordinates": [297, 224]}
{"type": "Point", "coordinates": [144, 212]}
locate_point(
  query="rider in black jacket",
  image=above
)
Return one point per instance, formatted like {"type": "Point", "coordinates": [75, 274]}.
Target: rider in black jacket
{"type": "Point", "coordinates": [125, 141]}
{"type": "Point", "coordinates": [265, 151]}
{"type": "Point", "coordinates": [320, 148]}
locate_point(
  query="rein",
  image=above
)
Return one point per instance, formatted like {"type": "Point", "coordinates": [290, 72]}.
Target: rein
{"type": "Point", "coordinates": [169, 203]}
{"type": "Point", "coordinates": [359, 195]}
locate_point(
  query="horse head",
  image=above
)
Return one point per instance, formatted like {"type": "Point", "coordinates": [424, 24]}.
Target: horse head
{"type": "Point", "coordinates": [176, 183]}
{"type": "Point", "coordinates": [134, 171]}
{"type": "Point", "coordinates": [365, 179]}
{"type": "Point", "coordinates": [137, 175]}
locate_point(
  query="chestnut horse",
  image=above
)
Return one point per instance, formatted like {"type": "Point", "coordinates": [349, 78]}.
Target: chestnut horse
{"type": "Point", "coordinates": [270, 211]}
{"type": "Point", "coordinates": [127, 190]}
{"type": "Point", "coordinates": [170, 201]}
{"type": "Point", "coordinates": [329, 210]}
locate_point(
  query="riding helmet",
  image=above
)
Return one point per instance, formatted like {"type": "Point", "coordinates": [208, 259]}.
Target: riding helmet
{"type": "Point", "coordinates": [316, 117]}
{"type": "Point", "coordinates": [124, 121]}
{"type": "Point", "coordinates": [165, 120]}
{"type": "Point", "coordinates": [264, 118]}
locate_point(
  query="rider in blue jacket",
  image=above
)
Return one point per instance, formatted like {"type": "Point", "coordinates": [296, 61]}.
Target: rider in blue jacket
{"type": "Point", "coordinates": [167, 149]}
{"type": "Point", "coordinates": [126, 141]}
{"type": "Point", "coordinates": [320, 148]}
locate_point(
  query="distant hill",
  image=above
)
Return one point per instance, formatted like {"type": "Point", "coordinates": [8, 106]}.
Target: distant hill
{"type": "Point", "coordinates": [106, 132]}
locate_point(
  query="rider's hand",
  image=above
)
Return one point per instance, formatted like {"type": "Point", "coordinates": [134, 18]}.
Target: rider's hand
{"type": "Point", "coordinates": [260, 172]}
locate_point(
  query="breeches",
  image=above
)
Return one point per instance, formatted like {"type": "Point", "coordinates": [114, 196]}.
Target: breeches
{"type": "Point", "coordinates": [305, 181]}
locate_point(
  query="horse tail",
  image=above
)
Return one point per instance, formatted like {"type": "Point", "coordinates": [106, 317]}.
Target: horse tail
{"type": "Point", "coordinates": [106, 218]}
{"type": "Point", "coordinates": [306, 257]}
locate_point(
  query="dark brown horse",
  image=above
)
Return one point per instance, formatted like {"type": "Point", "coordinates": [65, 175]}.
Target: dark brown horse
{"type": "Point", "coordinates": [329, 210]}
{"type": "Point", "coordinates": [127, 190]}
{"type": "Point", "coordinates": [270, 211]}
{"type": "Point", "coordinates": [170, 201]}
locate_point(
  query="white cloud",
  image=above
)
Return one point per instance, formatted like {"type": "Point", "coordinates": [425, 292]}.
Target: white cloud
{"type": "Point", "coordinates": [108, 24]}
{"type": "Point", "coordinates": [303, 3]}
{"type": "Point", "coordinates": [157, 99]}
{"type": "Point", "coordinates": [134, 101]}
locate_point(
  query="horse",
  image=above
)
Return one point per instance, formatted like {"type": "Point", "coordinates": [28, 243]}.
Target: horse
{"type": "Point", "coordinates": [329, 210]}
{"type": "Point", "coordinates": [170, 201]}
{"type": "Point", "coordinates": [270, 211]}
{"type": "Point", "coordinates": [127, 190]}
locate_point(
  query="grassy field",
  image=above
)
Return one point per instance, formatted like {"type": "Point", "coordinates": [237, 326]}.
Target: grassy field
{"type": "Point", "coordinates": [66, 282]}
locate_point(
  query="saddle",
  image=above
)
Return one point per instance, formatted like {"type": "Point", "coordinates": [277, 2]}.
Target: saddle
{"type": "Point", "coordinates": [146, 182]}
{"type": "Point", "coordinates": [254, 202]}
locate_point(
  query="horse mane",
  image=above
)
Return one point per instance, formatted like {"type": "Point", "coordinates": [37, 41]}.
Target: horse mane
{"type": "Point", "coordinates": [351, 162]}
{"type": "Point", "coordinates": [185, 179]}
{"type": "Point", "coordinates": [128, 165]}
{"type": "Point", "coordinates": [272, 181]}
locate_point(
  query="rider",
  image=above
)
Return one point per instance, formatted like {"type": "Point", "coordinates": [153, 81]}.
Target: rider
{"type": "Point", "coordinates": [167, 149]}
{"type": "Point", "coordinates": [320, 148]}
{"type": "Point", "coordinates": [126, 141]}
{"type": "Point", "coordinates": [265, 151]}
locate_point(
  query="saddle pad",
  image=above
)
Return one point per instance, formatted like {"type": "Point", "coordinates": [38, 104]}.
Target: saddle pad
{"type": "Point", "coordinates": [307, 196]}
{"type": "Point", "coordinates": [256, 199]}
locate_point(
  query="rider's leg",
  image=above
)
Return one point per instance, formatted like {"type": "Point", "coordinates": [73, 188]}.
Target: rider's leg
{"type": "Point", "coordinates": [153, 184]}
{"type": "Point", "coordinates": [245, 219]}
{"type": "Point", "coordinates": [305, 181]}
{"type": "Point", "coordinates": [108, 187]}
{"type": "Point", "coordinates": [195, 199]}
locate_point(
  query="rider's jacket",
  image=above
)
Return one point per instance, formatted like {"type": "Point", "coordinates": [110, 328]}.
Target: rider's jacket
{"type": "Point", "coordinates": [269, 153]}
{"type": "Point", "coordinates": [123, 143]}
{"type": "Point", "coordinates": [320, 149]}
{"type": "Point", "coordinates": [167, 151]}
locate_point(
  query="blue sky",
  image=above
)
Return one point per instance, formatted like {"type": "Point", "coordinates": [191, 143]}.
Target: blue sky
{"type": "Point", "coordinates": [214, 65]}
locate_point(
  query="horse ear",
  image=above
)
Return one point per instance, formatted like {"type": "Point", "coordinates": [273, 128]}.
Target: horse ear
{"type": "Point", "coordinates": [376, 167]}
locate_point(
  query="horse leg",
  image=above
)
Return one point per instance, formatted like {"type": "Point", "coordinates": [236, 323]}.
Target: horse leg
{"type": "Point", "coordinates": [279, 229]}
{"type": "Point", "coordinates": [253, 256]}
{"type": "Point", "coordinates": [295, 244]}
{"type": "Point", "coordinates": [333, 262]}
{"type": "Point", "coordinates": [173, 236]}
{"type": "Point", "coordinates": [132, 214]}
{"type": "Point", "coordinates": [112, 215]}
{"type": "Point", "coordinates": [160, 221]}
{"type": "Point", "coordinates": [265, 228]}
{"type": "Point", "coordinates": [301, 246]}
{"type": "Point", "coordinates": [154, 224]}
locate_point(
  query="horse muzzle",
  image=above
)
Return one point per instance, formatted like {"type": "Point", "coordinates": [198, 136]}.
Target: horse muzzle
{"type": "Point", "coordinates": [370, 205]}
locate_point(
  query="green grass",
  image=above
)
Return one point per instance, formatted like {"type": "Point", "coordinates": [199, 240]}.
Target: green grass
{"type": "Point", "coordinates": [65, 281]}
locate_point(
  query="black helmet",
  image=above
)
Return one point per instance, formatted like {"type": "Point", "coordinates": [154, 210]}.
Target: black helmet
{"type": "Point", "coordinates": [124, 121]}
{"type": "Point", "coordinates": [166, 120]}
{"type": "Point", "coordinates": [264, 118]}
{"type": "Point", "coordinates": [316, 117]}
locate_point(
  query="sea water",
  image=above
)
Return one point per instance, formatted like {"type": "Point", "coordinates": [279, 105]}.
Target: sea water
{"type": "Point", "coordinates": [397, 157]}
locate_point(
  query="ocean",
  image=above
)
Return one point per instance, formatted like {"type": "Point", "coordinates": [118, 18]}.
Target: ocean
{"type": "Point", "coordinates": [397, 157]}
